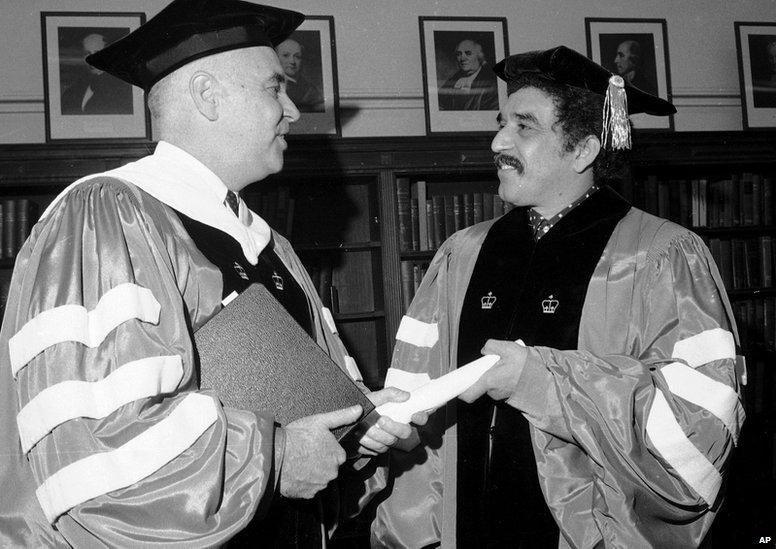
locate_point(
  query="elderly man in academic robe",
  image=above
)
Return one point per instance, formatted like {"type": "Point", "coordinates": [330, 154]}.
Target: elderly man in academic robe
{"type": "Point", "coordinates": [107, 440]}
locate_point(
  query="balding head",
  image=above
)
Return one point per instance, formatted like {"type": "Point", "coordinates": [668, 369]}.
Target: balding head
{"type": "Point", "coordinates": [229, 110]}
{"type": "Point", "coordinates": [92, 43]}
{"type": "Point", "coordinates": [469, 56]}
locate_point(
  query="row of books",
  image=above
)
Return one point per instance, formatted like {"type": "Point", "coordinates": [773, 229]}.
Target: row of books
{"type": "Point", "coordinates": [744, 263]}
{"type": "Point", "coordinates": [756, 321]}
{"type": "Point", "coordinates": [15, 224]}
{"type": "Point", "coordinates": [412, 273]}
{"type": "Point", "coordinates": [737, 201]}
{"type": "Point", "coordinates": [425, 221]}
{"type": "Point", "coordinates": [275, 206]}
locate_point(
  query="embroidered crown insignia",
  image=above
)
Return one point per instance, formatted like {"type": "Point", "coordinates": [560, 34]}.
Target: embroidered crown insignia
{"type": "Point", "coordinates": [549, 305]}
{"type": "Point", "coordinates": [278, 280]}
{"type": "Point", "coordinates": [240, 271]}
{"type": "Point", "coordinates": [488, 301]}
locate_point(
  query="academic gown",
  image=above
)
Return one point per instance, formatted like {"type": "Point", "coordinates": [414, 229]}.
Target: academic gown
{"type": "Point", "coordinates": [106, 439]}
{"type": "Point", "coordinates": [631, 429]}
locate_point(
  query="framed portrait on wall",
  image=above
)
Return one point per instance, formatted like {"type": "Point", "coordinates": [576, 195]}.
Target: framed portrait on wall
{"type": "Point", "coordinates": [637, 50]}
{"type": "Point", "coordinates": [461, 92]}
{"type": "Point", "coordinates": [82, 102]}
{"type": "Point", "coordinates": [309, 61]}
{"type": "Point", "coordinates": [756, 47]}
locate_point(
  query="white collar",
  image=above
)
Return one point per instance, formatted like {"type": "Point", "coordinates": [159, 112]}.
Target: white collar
{"type": "Point", "coordinates": [174, 177]}
{"type": "Point", "coordinates": [466, 81]}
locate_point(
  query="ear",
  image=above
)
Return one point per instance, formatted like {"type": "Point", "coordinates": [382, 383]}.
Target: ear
{"type": "Point", "coordinates": [586, 152]}
{"type": "Point", "coordinates": [202, 89]}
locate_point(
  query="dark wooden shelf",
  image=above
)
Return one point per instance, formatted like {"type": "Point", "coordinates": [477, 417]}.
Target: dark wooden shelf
{"type": "Point", "coordinates": [355, 317]}
{"type": "Point", "coordinates": [735, 232]}
{"type": "Point", "coordinates": [338, 246]}
{"type": "Point", "coordinates": [418, 254]}
{"type": "Point", "coordinates": [748, 293]}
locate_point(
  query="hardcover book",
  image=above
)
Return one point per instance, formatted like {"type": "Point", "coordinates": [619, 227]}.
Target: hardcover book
{"type": "Point", "coordinates": [256, 357]}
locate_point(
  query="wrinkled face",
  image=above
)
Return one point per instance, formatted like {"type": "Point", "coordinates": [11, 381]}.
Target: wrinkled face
{"type": "Point", "coordinates": [290, 55]}
{"type": "Point", "coordinates": [92, 44]}
{"type": "Point", "coordinates": [469, 56]}
{"type": "Point", "coordinates": [624, 61]}
{"type": "Point", "coordinates": [256, 114]}
{"type": "Point", "coordinates": [533, 167]}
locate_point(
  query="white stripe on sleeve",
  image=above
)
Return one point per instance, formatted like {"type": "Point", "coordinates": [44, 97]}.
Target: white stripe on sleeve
{"type": "Point", "coordinates": [417, 333]}
{"type": "Point", "coordinates": [72, 399]}
{"type": "Point", "coordinates": [718, 398]}
{"type": "Point", "coordinates": [352, 368]}
{"type": "Point", "coordinates": [74, 323]}
{"type": "Point", "coordinates": [142, 456]}
{"type": "Point", "coordinates": [707, 346]}
{"type": "Point", "coordinates": [690, 464]}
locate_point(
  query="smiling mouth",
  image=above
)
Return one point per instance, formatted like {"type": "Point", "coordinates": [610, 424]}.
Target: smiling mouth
{"type": "Point", "coordinates": [506, 162]}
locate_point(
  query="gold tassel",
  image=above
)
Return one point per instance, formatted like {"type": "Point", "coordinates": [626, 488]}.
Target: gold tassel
{"type": "Point", "coordinates": [616, 128]}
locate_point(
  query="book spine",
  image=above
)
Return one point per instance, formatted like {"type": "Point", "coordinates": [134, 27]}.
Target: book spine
{"type": "Point", "coordinates": [431, 224]}
{"type": "Point", "coordinates": [726, 262]}
{"type": "Point", "coordinates": [766, 260]}
{"type": "Point", "coordinates": [487, 206]}
{"type": "Point", "coordinates": [664, 199]}
{"type": "Point", "coordinates": [739, 264]}
{"type": "Point", "coordinates": [403, 211]}
{"type": "Point", "coordinates": [757, 199]}
{"type": "Point", "coordinates": [745, 190]}
{"type": "Point", "coordinates": [407, 284]}
{"type": "Point", "coordinates": [439, 219]}
{"type": "Point", "coordinates": [767, 187]}
{"type": "Point", "coordinates": [415, 224]}
{"type": "Point", "coordinates": [449, 215]}
{"type": "Point", "coordinates": [468, 209]}
{"type": "Point", "coordinates": [477, 208]}
{"type": "Point", "coordinates": [703, 208]}
{"type": "Point", "coordinates": [458, 212]}
{"type": "Point", "coordinates": [22, 222]}
{"type": "Point", "coordinates": [422, 216]}
{"type": "Point", "coordinates": [9, 228]}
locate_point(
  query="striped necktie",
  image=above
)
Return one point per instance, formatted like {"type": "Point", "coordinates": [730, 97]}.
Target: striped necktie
{"type": "Point", "coordinates": [233, 202]}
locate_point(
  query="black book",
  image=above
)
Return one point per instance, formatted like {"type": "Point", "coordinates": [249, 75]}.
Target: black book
{"type": "Point", "coordinates": [257, 357]}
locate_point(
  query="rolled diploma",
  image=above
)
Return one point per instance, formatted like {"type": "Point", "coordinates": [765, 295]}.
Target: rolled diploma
{"type": "Point", "coordinates": [438, 391]}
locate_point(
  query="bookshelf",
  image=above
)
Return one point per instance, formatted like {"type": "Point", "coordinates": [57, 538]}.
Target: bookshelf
{"type": "Point", "coordinates": [338, 200]}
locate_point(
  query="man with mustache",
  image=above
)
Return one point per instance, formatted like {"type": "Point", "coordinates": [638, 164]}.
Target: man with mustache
{"type": "Point", "coordinates": [611, 422]}
{"type": "Point", "coordinates": [107, 439]}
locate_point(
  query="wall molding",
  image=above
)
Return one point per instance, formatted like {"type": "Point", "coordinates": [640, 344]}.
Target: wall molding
{"type": "Point", "coordinates": [379, 100]}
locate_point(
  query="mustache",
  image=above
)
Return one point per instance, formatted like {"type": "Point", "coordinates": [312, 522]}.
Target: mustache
{"type": "Point", "coordinates": [501, 160]}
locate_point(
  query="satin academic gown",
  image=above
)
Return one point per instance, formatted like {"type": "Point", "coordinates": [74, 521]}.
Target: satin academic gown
{"type": "Point", "coordinates": [106, 439]}
{"type": "Point", "coordinates": [631, 431]}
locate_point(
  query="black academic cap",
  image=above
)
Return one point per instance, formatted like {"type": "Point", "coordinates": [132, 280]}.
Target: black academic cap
{"type": "Point", "coordinates": [568, 67]}
{"type": "Point", "coordinates": [187, 30]}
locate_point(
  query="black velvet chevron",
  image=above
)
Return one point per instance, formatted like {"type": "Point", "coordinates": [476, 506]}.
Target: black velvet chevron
{"type": "Point", "coordinates": [225, 252]}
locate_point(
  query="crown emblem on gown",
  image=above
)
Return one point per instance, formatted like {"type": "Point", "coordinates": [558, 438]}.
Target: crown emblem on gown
{"type": "Point", "coordinates": [278, 280]}
{"type": "Point", "coordinates": [549, 305]}
{"type": "Point", "coordinates": [240, 271]}
{"type": "Point", "coordinates": [488, 301]}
